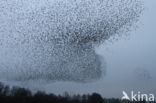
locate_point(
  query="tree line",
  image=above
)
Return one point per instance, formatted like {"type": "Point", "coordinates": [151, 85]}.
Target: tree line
{"type": "Point", "coordinates": [22, 95]}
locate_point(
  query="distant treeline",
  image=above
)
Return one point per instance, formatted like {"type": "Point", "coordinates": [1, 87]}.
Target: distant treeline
{"type": "Point", "coordinates": [22, 95]}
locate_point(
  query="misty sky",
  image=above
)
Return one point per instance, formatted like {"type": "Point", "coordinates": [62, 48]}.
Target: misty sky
{"type": "Point", "coordinates": [123, 58]}
{"type": "Point", "coordinates": [130, 63]}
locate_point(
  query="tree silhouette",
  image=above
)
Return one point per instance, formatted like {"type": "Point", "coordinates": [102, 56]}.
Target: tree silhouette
{"type": "Point", "coordinates": [22, 95]}
{"type": "Point", "coordinates": [95, 98]}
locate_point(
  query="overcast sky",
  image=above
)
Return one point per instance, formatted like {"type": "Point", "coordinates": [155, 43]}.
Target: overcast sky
{"type": "Point", "coordinates": [131, 62]}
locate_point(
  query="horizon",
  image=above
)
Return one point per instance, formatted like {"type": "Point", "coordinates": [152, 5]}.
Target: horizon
{"type": "Point", "coordinates": [126, 64]}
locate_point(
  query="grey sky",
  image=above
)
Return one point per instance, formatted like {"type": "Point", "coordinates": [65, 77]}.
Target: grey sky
{"type": "Point", "coordinates": [123, 58]}
{"type": "Point", "coordinates": [55, 39]}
